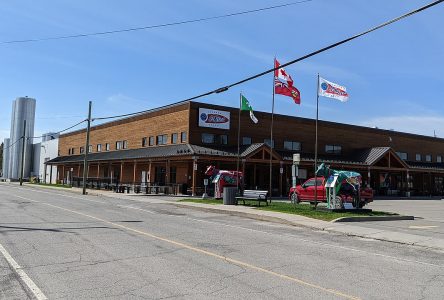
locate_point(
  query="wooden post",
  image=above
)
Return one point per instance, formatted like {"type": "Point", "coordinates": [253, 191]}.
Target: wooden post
{"type": "Point", "coordinates": [63, 174]}
{"type": "Point", "coordinates": [121, 172]}
{"type": "Point", "coordinates": [149, 174]}
{"type": "Point", "coordinates": [98, 170]}
{"type": "Point", "coordinates": [134, 172]}
{"type": "Point", "coordinates": [254, 177]}
{"type": "Point", "coordinates": [281, 167]}
{"type": "Point", "coordinates": [167, 171]}
{"type": "Point", "coordinates": [193, 189]}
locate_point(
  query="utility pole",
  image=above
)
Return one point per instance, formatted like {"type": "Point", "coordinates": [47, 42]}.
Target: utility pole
{"type": "Point", "coordinates": [85, 159]}
{"type": "Point", "coordinates": [22, 169]}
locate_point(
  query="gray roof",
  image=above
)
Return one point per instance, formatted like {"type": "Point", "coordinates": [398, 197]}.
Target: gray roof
{"type": "Point", "coordinates": [158, 152]}
{"type": "Point", "coordinates": [371, 155]}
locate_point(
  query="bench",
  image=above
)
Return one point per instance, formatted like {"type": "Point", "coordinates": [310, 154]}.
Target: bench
{"type": "Point", "coordinates": [255, 195]}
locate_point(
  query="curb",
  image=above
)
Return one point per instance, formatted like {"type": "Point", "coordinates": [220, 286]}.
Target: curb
{"type": "Point", "coordinates": [373, 218]}
{"type": "Point", "coordinates": [343, 229]}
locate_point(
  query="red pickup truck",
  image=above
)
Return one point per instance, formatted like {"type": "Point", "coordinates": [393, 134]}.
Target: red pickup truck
{"type": "Point", "coordinates": [306, 192]}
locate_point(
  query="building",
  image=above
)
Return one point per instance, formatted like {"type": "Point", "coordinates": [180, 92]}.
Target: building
{"type": "Point", "coordinates": [5, 161]}
{"type": "Point", "coordinates": [23, 109]}
{"type": "Point", "coordinates": [43, 152]}
{"type": "Point", "coordinates": [174, 144]}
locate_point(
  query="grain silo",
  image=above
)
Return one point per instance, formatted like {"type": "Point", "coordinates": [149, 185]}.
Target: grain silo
{"type": "Point", "coordinates": [23, 108]}
{"type": "Point", "coordinates": [5, 164]}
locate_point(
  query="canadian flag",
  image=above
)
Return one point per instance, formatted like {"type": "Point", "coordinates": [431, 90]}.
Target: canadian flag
{"type": "Point", "coordinates": [283, 84]}
{"type": "Point", "coordinates": [281, 74]}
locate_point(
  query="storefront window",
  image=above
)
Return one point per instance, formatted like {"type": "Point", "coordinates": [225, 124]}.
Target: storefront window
{"type": "Point", "coordinates": [418, 157]}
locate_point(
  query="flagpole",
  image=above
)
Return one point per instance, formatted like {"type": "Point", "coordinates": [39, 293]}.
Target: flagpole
{"type": "Point", "coordinates": [238, 139]}
{"type": "Point", "coordinates": [271, 132]}
{"type": "Point", "coordinates": [316, 142]}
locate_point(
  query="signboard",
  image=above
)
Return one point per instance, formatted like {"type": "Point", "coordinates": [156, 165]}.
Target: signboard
{"type": "Point", "coordinates": [281, 170]}
{"type": "Point", "coordinates": [205, 182]}
{"type": "Point", "coordinates": [296, 158]}
{"type": "Point", "coordinates": [214, 118]}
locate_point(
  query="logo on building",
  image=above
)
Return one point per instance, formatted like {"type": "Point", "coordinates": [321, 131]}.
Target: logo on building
{"type": "Point", "coordinates": [214, 118]}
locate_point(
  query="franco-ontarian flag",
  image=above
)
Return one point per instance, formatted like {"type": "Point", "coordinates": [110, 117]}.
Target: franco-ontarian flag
{"type": "Point", "coordinates": [245, 105]}
{"type": "Point", "coordinates": [332, 90]}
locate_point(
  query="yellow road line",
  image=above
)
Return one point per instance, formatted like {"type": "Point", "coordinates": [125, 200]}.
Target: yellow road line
{"type": "Point", "coordinates": [202, 251]}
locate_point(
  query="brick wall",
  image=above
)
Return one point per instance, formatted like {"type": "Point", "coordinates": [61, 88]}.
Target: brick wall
{"type": "Point", "coordinates": [166, 121]}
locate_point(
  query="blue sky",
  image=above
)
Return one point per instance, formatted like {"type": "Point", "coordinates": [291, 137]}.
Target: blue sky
{"type": "Point", "coordinates": [393, 75]}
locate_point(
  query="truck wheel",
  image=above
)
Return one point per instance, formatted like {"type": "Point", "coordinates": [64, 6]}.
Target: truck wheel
{"type": "Point", "coordinates": [295, 198]}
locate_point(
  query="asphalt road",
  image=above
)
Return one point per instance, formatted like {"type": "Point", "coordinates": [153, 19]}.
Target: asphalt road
{"type": "Point", "coordinates": [429, 217]}
{"type": "Point", "coordinates": [70, 246]}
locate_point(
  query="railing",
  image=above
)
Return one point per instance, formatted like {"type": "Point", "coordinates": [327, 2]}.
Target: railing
{"type": "Point", "coordinates": [107, 183]}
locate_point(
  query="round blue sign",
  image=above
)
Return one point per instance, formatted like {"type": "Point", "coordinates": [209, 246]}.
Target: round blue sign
{"type": "Point", "coordinates": [203, 116]}
{"type": "Point", "coordinates": [324, 86]}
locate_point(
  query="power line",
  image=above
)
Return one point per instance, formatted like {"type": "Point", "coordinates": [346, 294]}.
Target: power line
{"type": "Point", "coordinates": [58, 132]}
{"type": "Point", "coordinates": [10, 146]}
{"type": "Point", "coordinates": [154, 26]}
{"type": "Point", "coordinates": [225, 88]}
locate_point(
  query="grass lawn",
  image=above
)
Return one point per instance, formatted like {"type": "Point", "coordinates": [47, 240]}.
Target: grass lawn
{"type": "Point", "coordinates": [305, 210]}
{"type": "Point", "coordinates": [54, 185]}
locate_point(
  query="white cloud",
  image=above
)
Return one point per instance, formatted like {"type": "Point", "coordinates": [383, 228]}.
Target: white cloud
{"type": "Point", "coordinates": [424, 125]}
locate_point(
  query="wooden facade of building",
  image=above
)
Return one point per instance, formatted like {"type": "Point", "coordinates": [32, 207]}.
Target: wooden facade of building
{"type": "Point", "coordinates": [174, 145]}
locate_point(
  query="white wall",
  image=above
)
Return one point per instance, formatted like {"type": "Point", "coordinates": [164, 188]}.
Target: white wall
{"type": "Point", "coordinates": [49, 150]}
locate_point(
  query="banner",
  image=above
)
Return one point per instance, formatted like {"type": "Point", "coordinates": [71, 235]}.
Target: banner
{"type": "Point", "coordinates": [214, 118]}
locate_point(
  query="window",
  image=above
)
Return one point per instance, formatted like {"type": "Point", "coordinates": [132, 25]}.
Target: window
{"type": "Point", "coordinates": [118, 145]}
{"type": "Point", "coordinates": [291, 145]}
{"type": "Point", "coordinates": [208, 138]}
{"type": "Point", "coordinates": [107, 146]}
{"type": "Point", "coordinates": [82, 150]}
{"type": "Point", "coordinates": [151, 141]}
{"type": "Point", "coordinates": [90, 149]}
{"type": "Point", "coordinates": [173, 171]}
{"type": "Point", "coordinates": [162, 139]}
{"type": "Point", "coordinates": [333, 149]}
{"type": "Point", "coordinates": [246, 140]}
{"type": "Point", "coordinates": [267, 142]}
{"type": "Point", "coordinates": [402, 155]}
{"type": "Point", "coordinates": [428, 158]}
{"type": "Point", "coordinates": [99, 147]}
{"type": "Point", "coordinates": [144, 140]}
{"type": "Point", "coordinates": [311, 182]}
{"type": "Point", "coordinates": [125, 144]}
{"type": "Point", "coordinates": [223, 139]}
{"type": "Point", "coordinates": [174, 138]}
{"type": "Point", "coordinates": [69, 151]}
{"type": "Point", "coordinates": [183, 136]}
{"type": "Point", "coordinates": [439, 159]}
{"type": "Point", "coordinates": [418, 157]}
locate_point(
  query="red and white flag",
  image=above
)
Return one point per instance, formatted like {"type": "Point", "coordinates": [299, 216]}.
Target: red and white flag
{"type": "Point", "coordinates": [332, 90]}
{"type": "Point", "coordinates": [283, 84]}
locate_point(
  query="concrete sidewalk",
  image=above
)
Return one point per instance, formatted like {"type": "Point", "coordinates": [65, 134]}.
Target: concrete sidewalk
{"type": "Point", "coordinates": [270, 216]}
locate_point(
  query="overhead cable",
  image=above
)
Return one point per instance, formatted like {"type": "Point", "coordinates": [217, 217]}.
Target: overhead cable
{"type": "Point", "coordinates": [153, 26]}
{"type": "Point", "coordinates": [58, 132]}
{"type": "Point", "coordinates": [225, 88]}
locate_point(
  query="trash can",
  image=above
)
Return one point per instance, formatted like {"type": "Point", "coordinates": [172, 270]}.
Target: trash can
{"type": "Point", "coordinates": [230, 195]}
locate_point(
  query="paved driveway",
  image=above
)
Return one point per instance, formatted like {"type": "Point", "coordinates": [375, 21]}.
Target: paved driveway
{"type": "Point", "coordinates": [429, 217]}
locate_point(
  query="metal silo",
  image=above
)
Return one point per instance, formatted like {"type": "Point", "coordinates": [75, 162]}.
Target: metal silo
{"type": "Point", "coordinates": [5, 165]}
{"type": "Point", "coordinates": [23, 108]}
